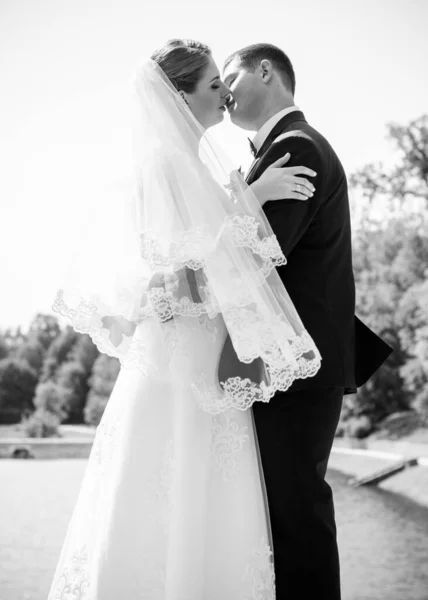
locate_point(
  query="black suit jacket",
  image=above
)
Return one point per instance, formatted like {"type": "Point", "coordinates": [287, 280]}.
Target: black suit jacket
{"type": "Point", "coordinates": [315, 236]}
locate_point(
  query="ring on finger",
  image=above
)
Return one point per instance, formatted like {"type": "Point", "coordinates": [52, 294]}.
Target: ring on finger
{"type": "Point", "coordinates": [297, 188]}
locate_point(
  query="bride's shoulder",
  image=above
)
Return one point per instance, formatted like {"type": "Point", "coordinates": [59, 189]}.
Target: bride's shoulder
{"type": "Point", "coordinates": [163, 157]}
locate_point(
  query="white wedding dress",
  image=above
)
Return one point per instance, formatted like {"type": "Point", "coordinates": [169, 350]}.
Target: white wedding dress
{"type": "Point", "coordinates": [172, 504]}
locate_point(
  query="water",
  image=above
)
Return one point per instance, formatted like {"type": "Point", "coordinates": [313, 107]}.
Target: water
{"type": "Point", "coordinates": [383, 543]}
{"type": "Point", "coordinates": [383, 539]}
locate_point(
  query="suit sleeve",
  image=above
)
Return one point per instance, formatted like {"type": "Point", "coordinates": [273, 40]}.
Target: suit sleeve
{"type": "Point", "coordinates": [290, 219]}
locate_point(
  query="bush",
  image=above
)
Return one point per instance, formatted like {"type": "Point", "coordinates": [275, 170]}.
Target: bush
{"type": "Point", "coordinates": [51, 397]}
{"type": "Point", "coordinates": [41, 424]}
{"type": "Point", "coordinates": [102, 381]}
{"type": "Point", "coordinates": [17, 385]}
{"type": "Point", "coordinates": [358, 427]}
{"type": "Point", "coordinates": [399, 424]}
{"type": "Point", "coordinates": [94, 409]}
{"type": "Point", "coordinates": [72, 380]}
{"type": "Point", "coordinates": [33, 352]}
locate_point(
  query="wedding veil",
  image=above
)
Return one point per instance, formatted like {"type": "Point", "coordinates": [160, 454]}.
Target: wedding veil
{"type": "Point", "coordinates": [189, 240]}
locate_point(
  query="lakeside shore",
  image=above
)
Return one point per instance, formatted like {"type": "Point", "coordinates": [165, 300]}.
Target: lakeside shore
{"type": "Point", "coordinates": [359, 458]}
{"type": "Point", "coordinates": [351, 457]}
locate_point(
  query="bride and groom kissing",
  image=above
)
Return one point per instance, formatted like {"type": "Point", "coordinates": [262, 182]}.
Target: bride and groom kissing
{"type": "Point", "coordinates": [197, 489]}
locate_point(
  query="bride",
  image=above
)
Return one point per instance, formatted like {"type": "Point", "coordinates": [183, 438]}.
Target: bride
{"type": "Point", "coordinates": [172, 503]}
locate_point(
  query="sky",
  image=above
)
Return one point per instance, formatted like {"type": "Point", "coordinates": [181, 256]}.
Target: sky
{"type": "Point", "coordinates": [64, 71]}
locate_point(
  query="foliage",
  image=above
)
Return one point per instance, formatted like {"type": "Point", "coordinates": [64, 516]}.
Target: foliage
{"type": "Point", "coordinates": [50, 397]}
{"type": "Point", "coordinates": [41, 424]}
{"type": "Point", "coordinates": [390, 265]}
{"type": "Point", "coordinates": [58, 352]}
{"type": "Point", "coordinates": [45, 329]}
{"type": "Point", "coordinates": [4, 350]}
{"type": "Point", "coordinates": [13, 337]}
{"type": "Point", "coordinates": [359, 427]}
{"type": "Point", "coordinates": [407, 180]}
{"type": "Point", "coordinates": [73, 377]}
{"type": "Point", "coordinates": [33, 352]}
{"type": "Point", "coordinates": [85, 353]}
{"type": "Point", "coordinates": [72, 380]}
{"type": "Point", "coordinates": [103, 378]}
{"type": "Point", "coordinates": [17, 385]}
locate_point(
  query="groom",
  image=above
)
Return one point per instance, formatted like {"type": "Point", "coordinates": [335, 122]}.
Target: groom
{"type": "Point", "coordinates": [296, 429]}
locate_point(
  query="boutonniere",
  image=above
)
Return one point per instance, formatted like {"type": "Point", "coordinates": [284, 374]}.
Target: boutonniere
{"type": "Point", "coordinates": [235, 184]}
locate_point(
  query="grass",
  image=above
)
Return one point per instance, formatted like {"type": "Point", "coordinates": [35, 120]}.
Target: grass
{"type": "Point", "coordinates": [68, 431]}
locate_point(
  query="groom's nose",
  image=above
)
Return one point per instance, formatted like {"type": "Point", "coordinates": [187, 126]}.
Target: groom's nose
{"type": "Point", "coordinates": [225, 91]}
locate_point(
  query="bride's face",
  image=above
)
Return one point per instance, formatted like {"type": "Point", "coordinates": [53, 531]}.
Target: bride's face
{"type": "Point", "coordinates": [208, 101]}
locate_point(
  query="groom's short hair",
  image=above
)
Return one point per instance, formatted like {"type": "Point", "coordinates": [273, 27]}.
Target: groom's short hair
{"type": "Point", "coordinates": [251, 56]}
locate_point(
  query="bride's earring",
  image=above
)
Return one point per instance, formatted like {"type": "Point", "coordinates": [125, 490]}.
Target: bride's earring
{"type": "Point", "coordinates": [183, 96]}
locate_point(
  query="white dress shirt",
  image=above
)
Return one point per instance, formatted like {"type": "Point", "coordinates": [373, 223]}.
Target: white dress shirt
{"type": "Point", "coordinates": [265, 130]}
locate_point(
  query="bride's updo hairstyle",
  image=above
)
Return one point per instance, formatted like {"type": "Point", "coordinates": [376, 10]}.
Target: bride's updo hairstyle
{"type": "Point", "coordinates": [183, 62]}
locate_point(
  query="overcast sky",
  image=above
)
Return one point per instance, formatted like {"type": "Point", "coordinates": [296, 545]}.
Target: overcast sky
{"type": "Point", "coordinates": [64, 70]}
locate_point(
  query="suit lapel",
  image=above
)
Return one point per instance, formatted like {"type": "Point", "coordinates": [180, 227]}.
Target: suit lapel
{"type": "Point", "coordinates": [252, 168]}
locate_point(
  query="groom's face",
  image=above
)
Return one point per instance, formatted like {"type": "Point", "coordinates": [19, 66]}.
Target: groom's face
{"type": "Point", "coordinates": [249, 94]}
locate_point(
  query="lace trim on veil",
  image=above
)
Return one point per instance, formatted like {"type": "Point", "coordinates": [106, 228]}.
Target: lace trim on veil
{"type": "Point", "coordinates": [190, 248]}
{"type": "Point", "coordinates": [241, 393]}
{"type": "Point", "coordinates": [287, 355]}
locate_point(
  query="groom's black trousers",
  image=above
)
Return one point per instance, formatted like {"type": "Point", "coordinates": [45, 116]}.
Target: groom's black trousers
{"type": "Point", "coordinates": [295, 432]}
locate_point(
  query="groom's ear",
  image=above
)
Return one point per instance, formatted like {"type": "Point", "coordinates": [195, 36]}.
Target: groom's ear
{"type": "Point", "coordinates": [266, 69]}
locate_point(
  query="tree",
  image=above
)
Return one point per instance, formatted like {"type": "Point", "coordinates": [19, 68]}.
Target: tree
{"type": "Point", "coordinates": [45, 329]}
{"type": "Point", "coordinates": [4, 350]}
{"type": "Point", "coordinates": [407, 180]}
{"type": "Point", "coordinates": [33, 352]}
{"type": "Point", "coordinates": [72, 379]}
{"type": "Point", "coordinates": [73, 376]}
{"type": "Point", "coordinates": [103, 378]}
{"type": "Point", "coordinates": [13, 338]}
{"type": "Point", "coordinates": [50, 397]}
{"type": "Point", "coordinates": [17, 386]}
{"type": "Point", "coordinates": [41, 424]}
{"type": "Point", "coordinates": [414, 339]}
{"type": "Point", "coordinates": [390, 262]}
{"type": "Point", "coordinates": [85, 353]}
{"type": "Point", "coordinates": [59, 351]}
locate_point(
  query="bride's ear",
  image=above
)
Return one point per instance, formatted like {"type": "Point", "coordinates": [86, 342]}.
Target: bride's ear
{"type": "Point", "coordinates": [184, 97]}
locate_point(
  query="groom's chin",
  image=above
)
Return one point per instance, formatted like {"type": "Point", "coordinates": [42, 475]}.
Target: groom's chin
{"type": "Point", "coordinates": [234, 119]}
{"type": "Point", "coordinates": [238, 122]}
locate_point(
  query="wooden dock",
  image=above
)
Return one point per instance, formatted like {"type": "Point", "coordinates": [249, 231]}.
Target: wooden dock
{"type": "Point", "coordinates": [385, 473]}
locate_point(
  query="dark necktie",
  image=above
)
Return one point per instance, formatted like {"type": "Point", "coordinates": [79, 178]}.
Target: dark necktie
{"type": "Point", "coordinates": [253, 149]}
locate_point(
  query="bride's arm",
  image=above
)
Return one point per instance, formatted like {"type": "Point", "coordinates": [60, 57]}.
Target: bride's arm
{"type": "Point", "coordinates": [279, 182]}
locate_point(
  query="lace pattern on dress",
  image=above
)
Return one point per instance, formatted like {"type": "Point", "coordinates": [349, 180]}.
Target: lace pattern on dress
{"type": "Point", "coordinates": [260, 573]}
{"type": "Point", "coordinates": [228, 440]}
{"type": "Point", "coordinates": [159, 490]}
{"type": "Point", "coordinates": [106, 437]}
{"type": "Point", "coordinates": [74, 580]}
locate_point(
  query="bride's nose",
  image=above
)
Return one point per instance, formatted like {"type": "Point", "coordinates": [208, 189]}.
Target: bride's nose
{"type": "Point", "coordinates": [225, 90]}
